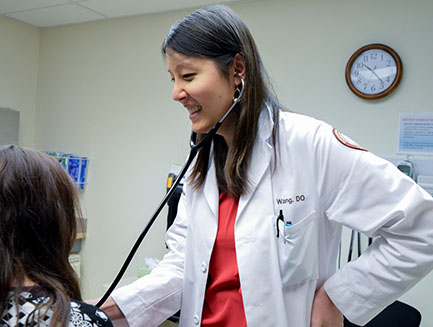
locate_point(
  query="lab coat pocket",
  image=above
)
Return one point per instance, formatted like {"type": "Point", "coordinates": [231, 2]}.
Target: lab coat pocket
{"type": "Point", "coordinates": [298, 251]}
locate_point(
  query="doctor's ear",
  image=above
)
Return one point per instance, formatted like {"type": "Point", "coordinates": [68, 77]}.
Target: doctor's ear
{"type": "Point", "coordinates": [239, 68]}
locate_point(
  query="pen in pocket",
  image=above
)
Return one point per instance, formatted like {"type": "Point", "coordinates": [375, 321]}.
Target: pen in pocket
{"type": "Point", "coordinates": [279, 218]}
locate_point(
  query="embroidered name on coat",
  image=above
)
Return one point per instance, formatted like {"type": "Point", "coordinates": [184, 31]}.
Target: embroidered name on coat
{"type": "Point", "coordinates": [297, 198]}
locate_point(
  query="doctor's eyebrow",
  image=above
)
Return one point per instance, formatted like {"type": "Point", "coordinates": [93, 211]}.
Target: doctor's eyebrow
{"type": "Point", "coordinates": [178, 67]}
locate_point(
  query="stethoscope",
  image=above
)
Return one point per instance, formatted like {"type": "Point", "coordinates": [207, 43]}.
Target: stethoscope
{"type": "Point", "coordinates": [193, 152]}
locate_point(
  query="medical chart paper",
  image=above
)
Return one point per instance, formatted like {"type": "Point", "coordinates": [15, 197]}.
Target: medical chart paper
{"type": "Point", "coordinates": [415, 133]}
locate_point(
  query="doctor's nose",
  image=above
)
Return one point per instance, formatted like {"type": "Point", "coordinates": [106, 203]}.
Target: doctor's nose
{"type": "Point", "coordinates": [178, 93]}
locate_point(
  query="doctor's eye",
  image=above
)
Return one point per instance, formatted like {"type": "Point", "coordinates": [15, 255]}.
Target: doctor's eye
{"type": "Point", "coordinates": [188, 77]}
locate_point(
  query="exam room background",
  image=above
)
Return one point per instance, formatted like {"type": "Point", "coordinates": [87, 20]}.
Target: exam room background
{"type": "Point", "coordinates": [102, 90]}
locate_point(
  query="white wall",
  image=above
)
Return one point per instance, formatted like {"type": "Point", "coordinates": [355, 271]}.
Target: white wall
{"type": "Point", "coordinates": [103, 92]}
{"type": "Point", "coordinates": [19, 52]}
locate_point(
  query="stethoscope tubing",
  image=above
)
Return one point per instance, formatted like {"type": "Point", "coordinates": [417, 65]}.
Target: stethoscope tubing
{"type": "Point", "coordinates": [193, 152]}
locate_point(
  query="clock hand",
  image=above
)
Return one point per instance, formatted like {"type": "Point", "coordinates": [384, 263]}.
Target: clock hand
{"type": "Point", "coordinates": [368, 81]}
{"type": "Point", "coordinates": [373, 72]}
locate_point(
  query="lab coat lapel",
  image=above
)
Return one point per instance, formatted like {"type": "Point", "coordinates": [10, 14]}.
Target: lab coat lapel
{"type": "Point", "coordinates": [211, 187]}
{"type": "Point", "coordinates": [260, 158]}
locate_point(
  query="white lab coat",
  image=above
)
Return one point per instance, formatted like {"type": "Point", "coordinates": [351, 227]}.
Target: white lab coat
{"type": "Point", "coordinates": [320, 184]}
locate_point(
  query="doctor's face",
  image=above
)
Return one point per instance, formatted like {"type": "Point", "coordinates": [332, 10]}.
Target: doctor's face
{"type": "Point", "coordinates": [203, 90]}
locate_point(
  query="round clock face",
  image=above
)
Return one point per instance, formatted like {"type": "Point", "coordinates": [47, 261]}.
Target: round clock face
{"type": "Point", "coordinates": [373, 71]}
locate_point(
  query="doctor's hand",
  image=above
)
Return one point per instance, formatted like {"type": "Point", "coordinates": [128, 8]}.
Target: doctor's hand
{"type": "Point", "coordinates": [324, 313]}
{"type": "Point", "coordinates": [109, 307]}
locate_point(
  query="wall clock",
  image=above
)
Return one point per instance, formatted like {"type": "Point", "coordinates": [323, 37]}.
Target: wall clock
{"type": "Point", "coordinates": [374, 71]}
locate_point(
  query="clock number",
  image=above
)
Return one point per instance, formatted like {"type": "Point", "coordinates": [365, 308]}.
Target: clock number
{"type": "Point", "coordinates": [388, 62]}
{"type": "Point", "coordinates": [373, 56]}
{"type": "Point", "coordinates": [373, 88]}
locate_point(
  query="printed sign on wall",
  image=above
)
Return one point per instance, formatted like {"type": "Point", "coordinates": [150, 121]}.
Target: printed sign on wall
{"type": "Point", "coordinates": [415, 133]}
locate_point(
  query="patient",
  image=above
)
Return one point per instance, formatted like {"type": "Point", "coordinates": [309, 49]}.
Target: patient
{"type": "Point", "coordinates": [38, 211]}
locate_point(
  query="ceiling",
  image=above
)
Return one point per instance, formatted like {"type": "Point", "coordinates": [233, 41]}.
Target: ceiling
{"type": "Point", "coordinates": [47, 13]}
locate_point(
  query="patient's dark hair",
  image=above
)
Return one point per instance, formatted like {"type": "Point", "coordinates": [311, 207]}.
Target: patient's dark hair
{"type": "Point", "coordinates": [38, 221]}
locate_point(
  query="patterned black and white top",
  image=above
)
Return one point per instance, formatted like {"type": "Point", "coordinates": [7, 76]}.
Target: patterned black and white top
{"type": "Point", "coordinates": [82, 314]}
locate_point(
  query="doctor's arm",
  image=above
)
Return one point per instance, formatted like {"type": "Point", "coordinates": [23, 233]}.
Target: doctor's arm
{"type": "Point", "coordinates": [324, 313]}
{"type": "Point", "coordinates": [369, 194]}
{"type": "Point", "coordinates": [150, 300]}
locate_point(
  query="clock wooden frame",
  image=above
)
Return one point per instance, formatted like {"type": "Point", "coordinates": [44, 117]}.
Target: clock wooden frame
{"type": "Point", "coordinates": [398, 76]}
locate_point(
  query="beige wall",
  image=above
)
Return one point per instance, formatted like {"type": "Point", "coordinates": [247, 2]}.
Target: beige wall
{"type": "Point", "coordinates": [103, 92]}
{"type": "Point", "coordinates": [19, 52]}
{"type": "Point", "coordinates": [306, 45]}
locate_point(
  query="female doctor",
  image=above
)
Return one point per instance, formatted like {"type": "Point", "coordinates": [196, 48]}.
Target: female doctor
{"type": "Point", "coordinates": [258, 227]}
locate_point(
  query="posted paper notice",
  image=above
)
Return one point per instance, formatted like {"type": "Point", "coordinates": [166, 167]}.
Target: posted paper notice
{"type": "Point", "coordinates": [415, 133]}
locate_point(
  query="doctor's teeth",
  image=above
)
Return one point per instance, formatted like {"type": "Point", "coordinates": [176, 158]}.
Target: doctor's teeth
{"type": "Point", "coordinates": [194, 110]}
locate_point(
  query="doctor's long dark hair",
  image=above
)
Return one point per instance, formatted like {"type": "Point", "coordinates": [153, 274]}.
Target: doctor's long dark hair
{"type": "Point", "coordinates": [38, 211]}
{"type": "Point", "coordinates": [217, 33]}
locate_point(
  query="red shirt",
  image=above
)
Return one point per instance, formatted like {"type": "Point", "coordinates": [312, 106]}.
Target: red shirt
{"type": "Point", "coordinates": [223, 306]}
